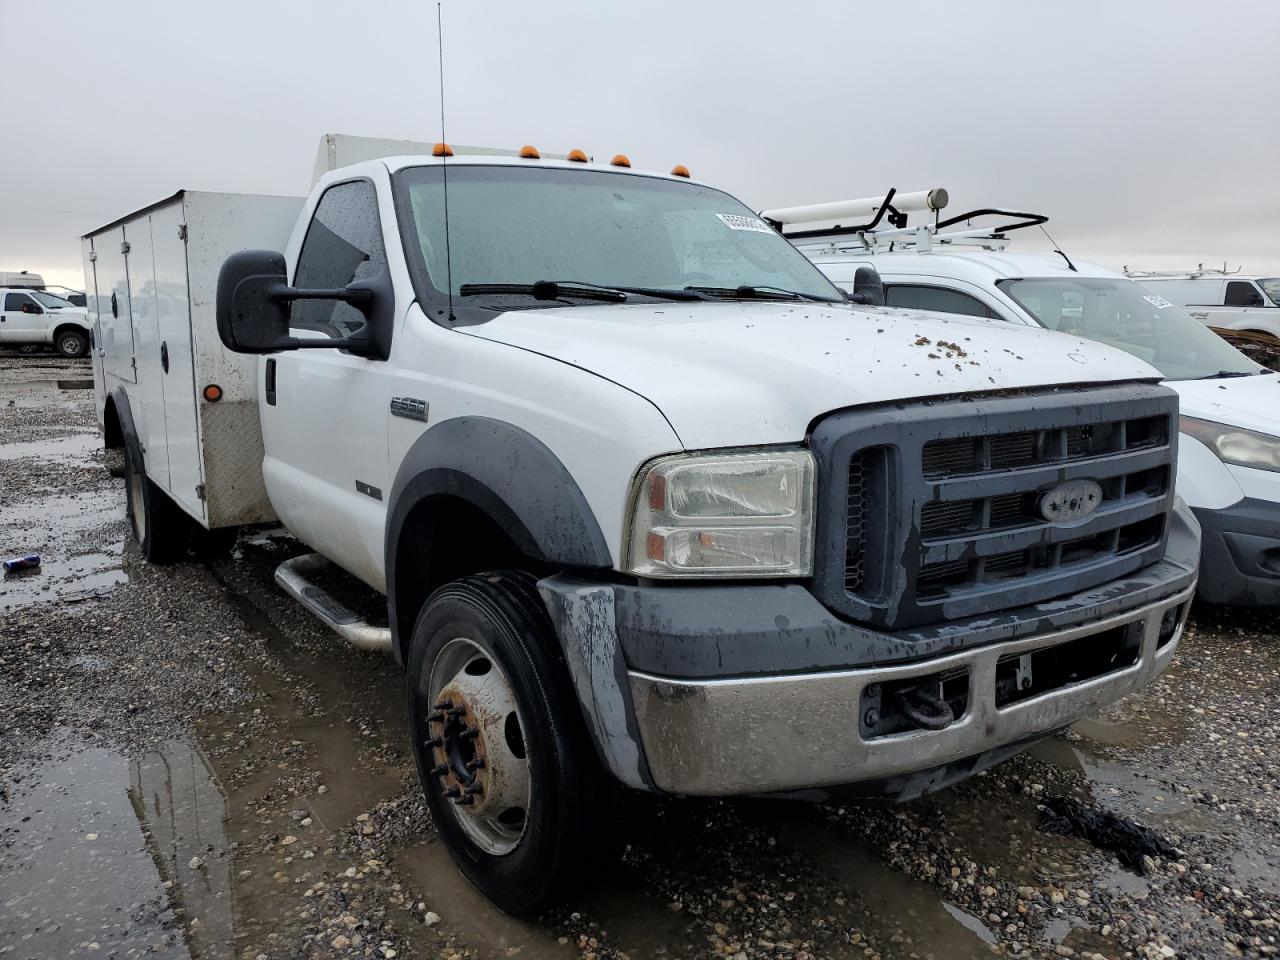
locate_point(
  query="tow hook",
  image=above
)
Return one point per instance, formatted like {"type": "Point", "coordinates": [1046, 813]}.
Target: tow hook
{"type": "Point", "coordinates": [923, 707]}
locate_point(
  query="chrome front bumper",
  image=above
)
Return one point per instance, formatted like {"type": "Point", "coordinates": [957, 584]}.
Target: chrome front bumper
{"type": "Point", "coordinates": [774, 734]}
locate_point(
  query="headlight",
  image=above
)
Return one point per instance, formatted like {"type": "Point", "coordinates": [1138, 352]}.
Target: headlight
{"type": "Point", "coordinates": [723, 515]}
{"type": "Point", "coordinates": [1244, 448]}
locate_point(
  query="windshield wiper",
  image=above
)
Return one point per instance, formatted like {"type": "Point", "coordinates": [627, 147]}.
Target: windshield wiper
{"type": "Point", "coordinates": [760, 292]}
{"type": "Point", "coordinates": [555, 289]}
{"type": "Point", "coordinates": [1223, 374]}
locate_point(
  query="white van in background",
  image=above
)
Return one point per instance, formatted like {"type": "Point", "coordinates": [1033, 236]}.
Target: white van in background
{"type": "Point", "coordinates": [1219, 298]}
{"type": "Point", "coordinates": [1229, 451]}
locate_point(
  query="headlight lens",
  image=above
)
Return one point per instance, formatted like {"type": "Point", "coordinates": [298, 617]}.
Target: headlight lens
{"type": "Point", "coordinates": [724, 515]}
{"type": "Point", "coordinates": [1244, 448]}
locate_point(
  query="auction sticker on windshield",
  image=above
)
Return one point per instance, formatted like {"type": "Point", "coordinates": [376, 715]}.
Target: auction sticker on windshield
{"type": "Point", "coordinates": [735, 221]}
{"type": "Point", "coordinates": [1158, 302]}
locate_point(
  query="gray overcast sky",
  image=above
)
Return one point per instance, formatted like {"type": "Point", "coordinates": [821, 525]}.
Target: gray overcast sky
{"type": "Point", "coordinates": [1147, 131]}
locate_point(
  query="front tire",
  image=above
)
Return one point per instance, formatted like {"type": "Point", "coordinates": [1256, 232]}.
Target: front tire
{"type": "Point", "coordinates": [509, 773]}
{"type": "Point", "coordinates": [72, 343]}
{"type": "Point", "coordinates": [160, 528]}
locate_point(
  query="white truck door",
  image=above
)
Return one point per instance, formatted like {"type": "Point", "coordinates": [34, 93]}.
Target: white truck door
{"type": "Point", "coordinates": [147, 400]}
{"type": "Point", "coordinates": [325, 435]}
{"type": "Point", "coordinates": [23, 319]}
{"type": "Point", "coordinates": [177, 374]}
{"type": "Point", "coordinates": [113, 298]}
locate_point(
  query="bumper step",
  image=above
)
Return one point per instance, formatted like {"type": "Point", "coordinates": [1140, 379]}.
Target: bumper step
{"type": "Point", "coordinates": [292, 576]}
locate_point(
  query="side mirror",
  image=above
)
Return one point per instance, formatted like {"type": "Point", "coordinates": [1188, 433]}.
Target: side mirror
{"type": "Point", "coordinates": [254, 306]}
{"type": "Point", "coordinates": [867, 287]}
{"type": "Point", "coordinates": [30, 307]}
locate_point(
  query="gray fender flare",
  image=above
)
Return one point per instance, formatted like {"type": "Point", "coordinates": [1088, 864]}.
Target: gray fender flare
{"type": "Point", "coordinates": [510, 476]}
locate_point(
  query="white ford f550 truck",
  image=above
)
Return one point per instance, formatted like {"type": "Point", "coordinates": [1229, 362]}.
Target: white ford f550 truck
{"type": "Point", "coordinates": [648, 509]}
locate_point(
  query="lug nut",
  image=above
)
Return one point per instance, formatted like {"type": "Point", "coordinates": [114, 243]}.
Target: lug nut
{"type": "Point", "coordinates": [456, 711]}
{"type": "Point", "coordinates": [470, 733]}
{"type": "Point", "coordinates": [444, 705]}
{"type": "Point", "coordinates": [476, 764]}
{"type": "Point", "coordinates": [465, 801]}
{"type": "Point", "coordinates": [474, 790]}
{"type": "Point", "coordinates": [435, 742]}
{"type": "Point", "coordinates": [435, 717]}
{"type": "Point", "coordinates": [439, 770]}
{"type": "Point", "coordinates": [453, 793]}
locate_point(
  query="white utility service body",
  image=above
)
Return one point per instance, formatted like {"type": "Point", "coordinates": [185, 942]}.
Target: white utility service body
{"type": "Point", "coordinates": [151, 279]}
{"type": "Point", "coordinates": [31, 316]}
{"type": "Point", "coordinates": [640, 484]}
{"type": "Point", "coordinates": [1238, 506]}
{"type": "Point", "coordinates": [1217, 298]}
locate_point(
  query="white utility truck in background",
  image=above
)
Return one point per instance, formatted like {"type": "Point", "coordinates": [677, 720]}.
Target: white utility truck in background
{"type": "Point", "coordinates": [31, 318]}
{"type": "Point", "coordinates": [1222, 298]}
{"type": "Point", "coordinates": [652, 505]}
{"type": "Point", "coordinates": [1229, 452]}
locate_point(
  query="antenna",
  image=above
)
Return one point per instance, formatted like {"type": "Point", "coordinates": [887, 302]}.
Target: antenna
{"type": "Point", "coordinates": [444, 164]}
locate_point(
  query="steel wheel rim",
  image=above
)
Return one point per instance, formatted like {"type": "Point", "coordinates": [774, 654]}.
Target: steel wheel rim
{"type": "Point", "coordinates": [466, 689]}
{"type": "Point", "coordinates": [70, 346]}
{"type": "Point", "coordinates": [137, 515]}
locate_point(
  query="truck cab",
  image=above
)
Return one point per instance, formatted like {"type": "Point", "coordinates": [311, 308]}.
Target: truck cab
{"type": "Point", "coordinates": [1229, 452]}
{"type": "Point", "coordinates": [656, 508]}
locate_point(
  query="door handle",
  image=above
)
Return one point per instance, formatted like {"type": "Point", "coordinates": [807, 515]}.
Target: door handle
{"type": "Point", "coordinates": [164, 356]}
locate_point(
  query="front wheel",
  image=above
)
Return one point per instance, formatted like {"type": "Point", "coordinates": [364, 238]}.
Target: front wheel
{"type": "Point", "coordinates": [72, 343]}
{"type": "Point", "coordinates": [510, 776]}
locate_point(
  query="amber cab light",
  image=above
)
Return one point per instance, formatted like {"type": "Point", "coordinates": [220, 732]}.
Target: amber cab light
{"type": "Point", "coordinates": [442, 150]}
{"type": "Point", "coordinates": [530, 153]}
{"type": "Point", "coordinates": [577, 156]}
{"type": "Point", "coordinates": [620, 160]}
{"type": "Point", "coordinates": [680, 170]}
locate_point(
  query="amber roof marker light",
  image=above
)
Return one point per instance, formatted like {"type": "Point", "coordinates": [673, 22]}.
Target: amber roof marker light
{"type": "Point", "coordinates": [620, 160]}
{"type": "Point", "coordinates": [442, 150]}
{"type": "Point", "coordinates": [577, 156]}
{"type": "Point", "coordinates": [680, 170]}
{"type": "Point", "coordinates": [530, 153]}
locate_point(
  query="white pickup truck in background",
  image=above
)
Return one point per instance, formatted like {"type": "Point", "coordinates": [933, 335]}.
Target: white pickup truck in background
{"type": "Point", "coordinates": [1219, 298]}
{"type": "Point", "coordinates": [652, 505]}
{"type": "Point", "coordinates": [31, 318]}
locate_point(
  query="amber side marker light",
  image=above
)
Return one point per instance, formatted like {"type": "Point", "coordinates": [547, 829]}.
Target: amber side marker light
{"type": "Point", "coordinates": [530, 153]}
{"type": "Point", "coordinates": [213, 393]}
{"type": "Point", "coordinates": [680, 170]}
{"type": "Point", "coordinates": [442, 150]}
{"type": "Point", "coordinates": [620, 160]}
{"type": "Point", "coordinates": [577, 156]}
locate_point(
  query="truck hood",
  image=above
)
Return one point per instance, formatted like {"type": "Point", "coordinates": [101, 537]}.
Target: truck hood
{"type": "Point", "coordinates": [1249, 402]}
{"type": "Point", "coordinates": [742, 374]}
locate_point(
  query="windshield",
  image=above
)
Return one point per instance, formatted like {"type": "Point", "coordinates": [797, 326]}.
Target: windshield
{"type": "Point", "coordinates": [1123, 314]}
{"type": "Point", "coordinates": [522, 225]}
{"type": "Point", "coordinates": [49, 300]}
{"type": "Point", "coordinates": [1271, 287]}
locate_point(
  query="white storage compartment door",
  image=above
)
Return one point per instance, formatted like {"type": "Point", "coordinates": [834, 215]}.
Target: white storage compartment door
{"type": "Point", "coordinates": [147, 399]}
{"type": "Point", "coordinates": [173, 315]}
{"type": "Point", "coordinates": [113, 294]}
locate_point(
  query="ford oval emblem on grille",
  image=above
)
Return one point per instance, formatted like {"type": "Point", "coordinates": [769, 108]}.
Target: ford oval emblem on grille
{"type": "Point", "coordinates": [1070, 501]}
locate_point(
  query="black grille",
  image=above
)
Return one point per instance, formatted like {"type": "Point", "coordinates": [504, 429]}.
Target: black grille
{"type": "Point", "coordinates": [940, 504]}
{"type": "Point", "coordinates": [855, 568]}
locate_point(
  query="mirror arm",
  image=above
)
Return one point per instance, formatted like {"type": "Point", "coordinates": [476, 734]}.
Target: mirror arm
{"type": "Point", "coordinates": [354, 296]}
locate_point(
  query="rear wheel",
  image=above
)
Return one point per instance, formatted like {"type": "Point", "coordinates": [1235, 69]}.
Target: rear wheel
{"type": "Point", "coordinates": [72, 343]}
{"type": "Point", "coordinates": [159, 527]}
{"type": "Point", "coordinates": [510, 776]}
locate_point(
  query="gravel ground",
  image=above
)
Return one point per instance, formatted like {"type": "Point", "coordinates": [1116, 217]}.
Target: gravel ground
{"type": "Point", "coordinates": [191, 767]}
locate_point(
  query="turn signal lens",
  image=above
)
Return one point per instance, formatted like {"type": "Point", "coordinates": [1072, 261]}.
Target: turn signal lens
{"type": "Point", "coordinates": [213, 393]}
{"type": "Point", "coordinates": [577, 156]}
{"type": "Point", "coordinates": [620, 160]}
{"type": "Point", "coordinates": [442, 150]}
{"type": "Point", "coordinates": [680, 170]}
{"type": "Point", "coordinates": [530, 153]}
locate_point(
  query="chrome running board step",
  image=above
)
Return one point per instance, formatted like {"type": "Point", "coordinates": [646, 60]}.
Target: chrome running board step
{"type": "Point", "coordinates": [292, 575]}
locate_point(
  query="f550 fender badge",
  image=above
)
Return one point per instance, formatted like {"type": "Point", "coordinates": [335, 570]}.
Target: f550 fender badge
{"type": "Point", "coordinates": [1071, 501]}
{"type": "Point", "coordinates": [411, 408]}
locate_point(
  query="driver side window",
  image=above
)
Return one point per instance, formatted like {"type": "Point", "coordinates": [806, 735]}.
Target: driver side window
{"type": "Point", "coordinates": [17, 302]}
{"type": "Point", "coordinates": [343, 244]}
